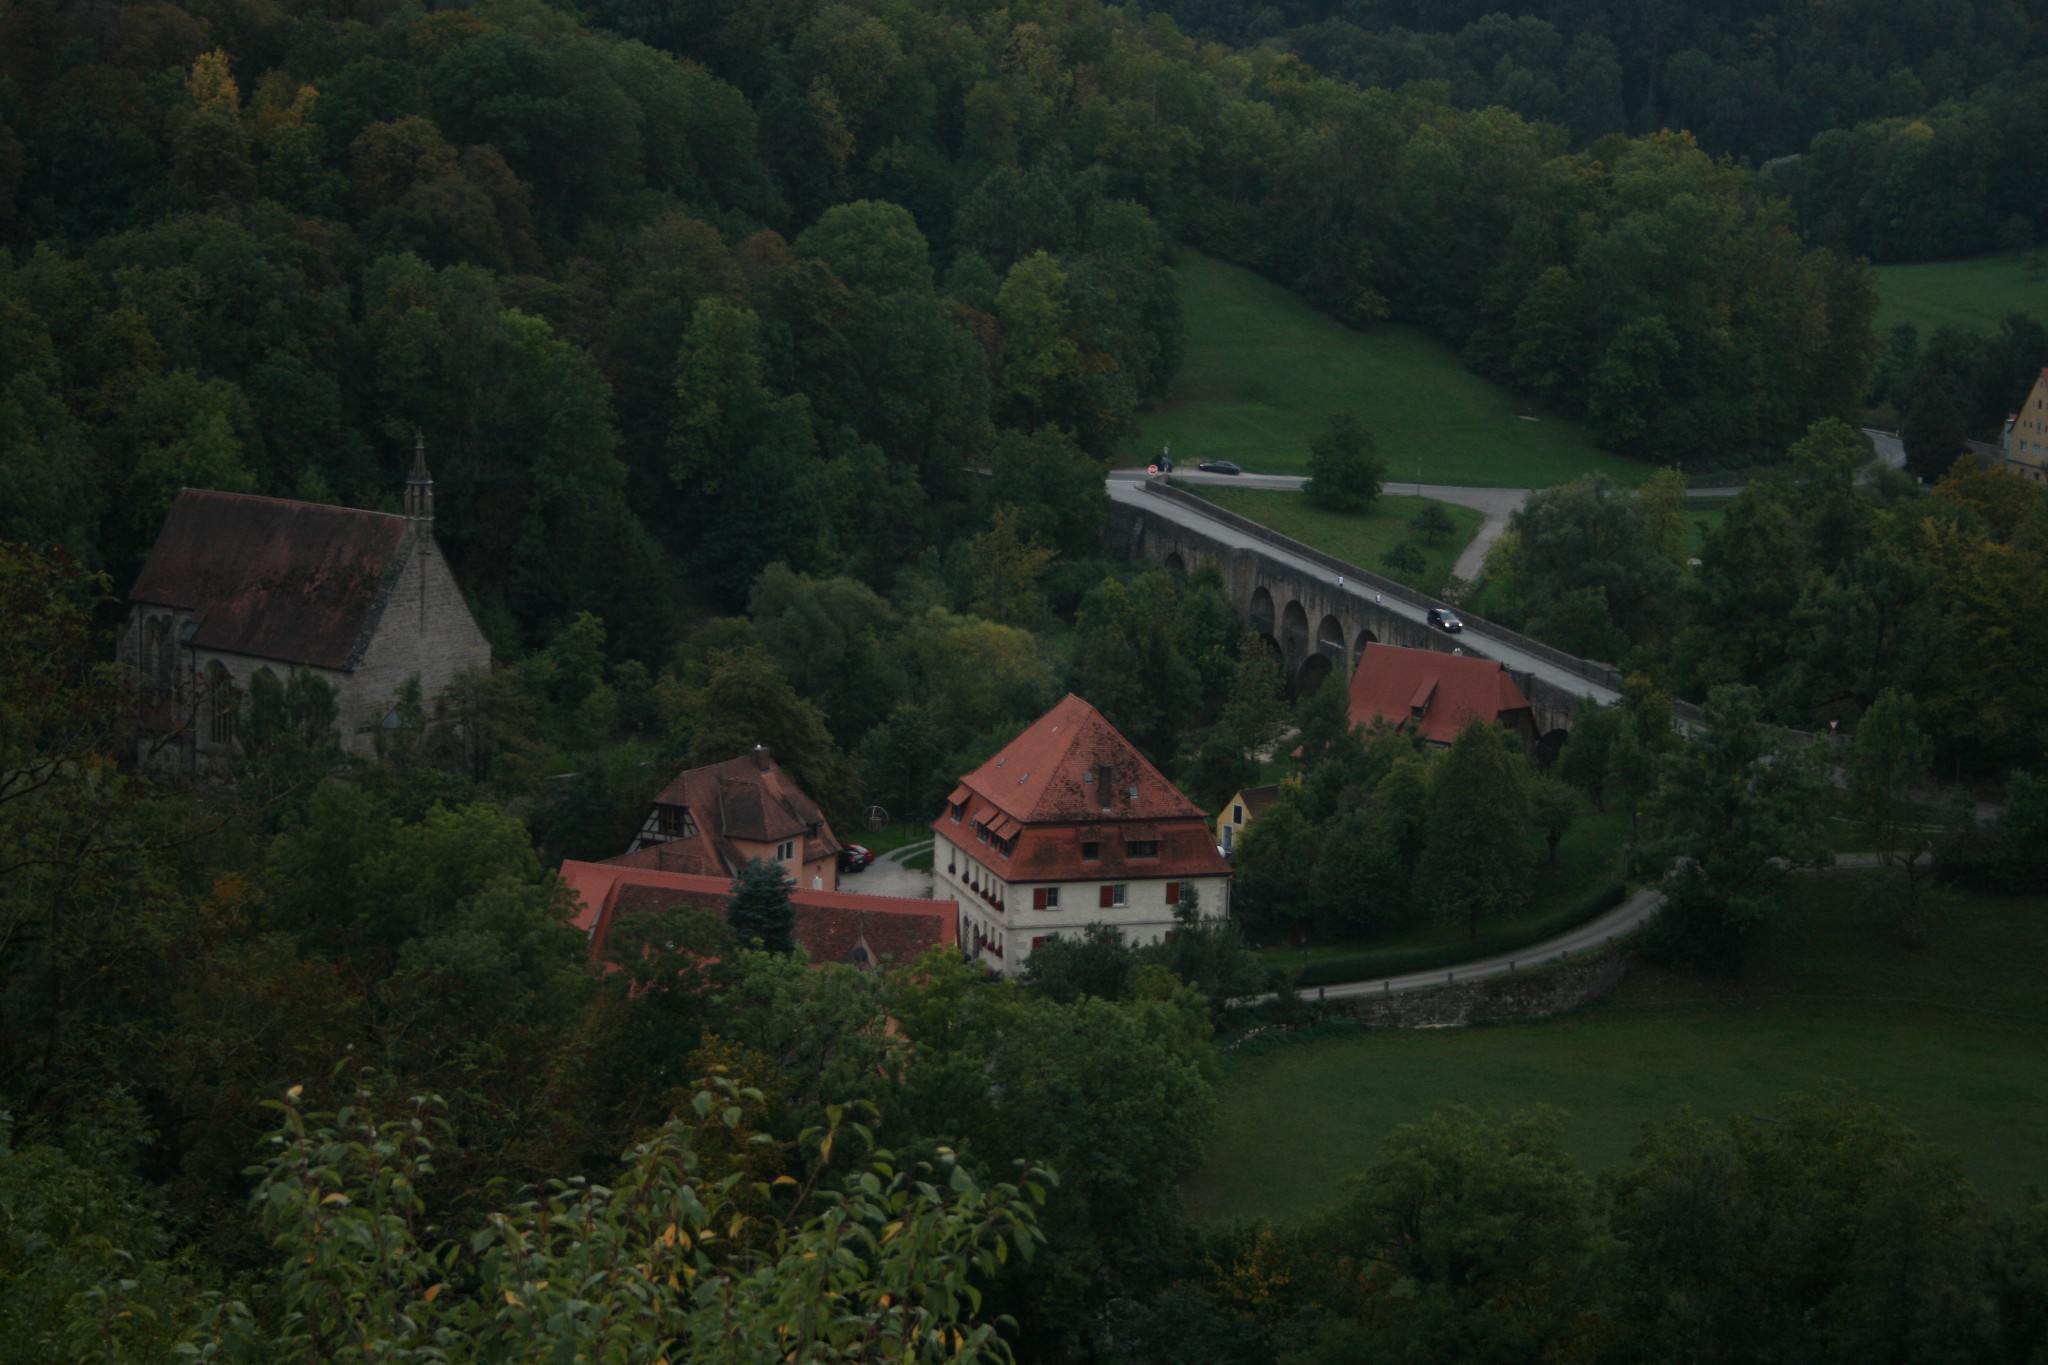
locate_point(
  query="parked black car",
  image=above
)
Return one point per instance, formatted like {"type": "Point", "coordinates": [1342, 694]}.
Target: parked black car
{"type": "Point", "coordinates": [854, 857]}
{"type": "Point", "coordinates": [1219, 467]}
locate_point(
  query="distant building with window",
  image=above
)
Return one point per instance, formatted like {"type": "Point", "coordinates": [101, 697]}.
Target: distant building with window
{"type": "Point", "coordinates": [238, 586]}
{"type": "Point", "coordinates": [1238, 812]}
{"type": "Point", "coordinates": [1436, 694]}
{"type": "Point", "coordinates": [1069, 826]}
{"type": "Point", "coordinates": [2025, 440]}
{"type": "Point", "coordinates": [710, 821]}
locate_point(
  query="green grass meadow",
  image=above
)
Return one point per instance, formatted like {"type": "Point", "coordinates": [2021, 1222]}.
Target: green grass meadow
{"type": "Point", "coordinates": [1974, 294]}
{"type": "Point", "coordinates": [1953, 1036]}
{"type": "Point", "coordinates": [1357, 538]}
{"type": "Point", "coordinates": [1265, 371]}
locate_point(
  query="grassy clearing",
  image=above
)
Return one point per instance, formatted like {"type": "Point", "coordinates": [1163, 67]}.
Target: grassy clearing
{"type": "Point", "coordinates": [1265, 371]}
{"type": "Point", "coordinates": [1588, 858]}
{"type": "Point", "coordinates": [1358, 539]}
{"type": "Point", "coordinates": [1954, 1036]}
{"type": "Point", "coordinates": [1701, 516]}
{"type": "Point", "coordinates": [1974, 294]}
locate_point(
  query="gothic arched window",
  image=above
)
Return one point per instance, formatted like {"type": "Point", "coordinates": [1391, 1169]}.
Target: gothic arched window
{"type": "Point", "coordinates": [159, 659]}
{"type": "Point", "coordinates": [220, 705]}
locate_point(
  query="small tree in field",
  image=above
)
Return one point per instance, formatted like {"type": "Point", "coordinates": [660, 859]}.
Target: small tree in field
{"type": "Point", "coordinates": [759, 910]}
{"type": "Point", "coordinates": [1405, 559]}
{"type": "Point", "coordinates": [1884, 762]}
{"type": "Point", "coordinates": [1554, 807]}
{"type": "Point", "coordinates": [1344, 467]}
{"type": "Point", "coordinates": [1433, 523]}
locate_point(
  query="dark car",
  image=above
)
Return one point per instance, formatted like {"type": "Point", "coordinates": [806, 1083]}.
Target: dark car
{"type": "Point", "coordinates": [853, 858]}
{"type": "Point", "coordinates": [1219, 467]}
{"type": "Point", "coordinates": [1444, 619]}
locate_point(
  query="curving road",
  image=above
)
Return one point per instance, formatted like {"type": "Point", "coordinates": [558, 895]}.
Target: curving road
{"type": "Point", "coordinates": [1621, 921]}
{"type": "Point", "coordinates": [1497, 504]}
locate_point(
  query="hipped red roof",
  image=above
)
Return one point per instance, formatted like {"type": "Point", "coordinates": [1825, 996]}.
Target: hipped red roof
{"type": "Point", "coordinates": [1453, 690]}
{"type": "Point", "coordinates": [1054, 772]}
{"type": "Point", "coordinates": [269, 577]}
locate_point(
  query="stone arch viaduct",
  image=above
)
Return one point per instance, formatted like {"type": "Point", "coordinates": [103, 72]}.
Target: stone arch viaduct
{"type": "Point", "coordinates": [1289, 593]}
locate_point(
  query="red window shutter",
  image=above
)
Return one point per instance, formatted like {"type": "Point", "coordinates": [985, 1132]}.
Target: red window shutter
{"type": "Point", "coordinates": [1038, 898]}
{"type": "Point", "coordinates": [1107, 902]}
{"type": "Point", "coordinates": [1173, 893]}
{"type": "Point", "coordinates": [1039, 942]}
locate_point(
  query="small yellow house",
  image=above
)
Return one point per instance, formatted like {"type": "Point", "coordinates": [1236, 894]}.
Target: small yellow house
{"type": "Point", "coordinates": [2026, 435]}
{"type": "Point", "coordinates": [1239, 811]}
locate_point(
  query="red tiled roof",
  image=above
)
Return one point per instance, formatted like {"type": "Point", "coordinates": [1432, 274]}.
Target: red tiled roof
{"type": "Point", "coordinates": [750, 797]}
{"type": "Point", "coordinates": [1453, 689]}
{"type": "Point", "coordinates": [829, 925]}
{"type": "Point", "coordinates": [272, 578]}
{"type": "Point", "coordinates": [1050, 773]}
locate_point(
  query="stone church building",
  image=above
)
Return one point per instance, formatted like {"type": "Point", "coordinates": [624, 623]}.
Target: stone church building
{"type": "Point", "coordinates": [238, 585]}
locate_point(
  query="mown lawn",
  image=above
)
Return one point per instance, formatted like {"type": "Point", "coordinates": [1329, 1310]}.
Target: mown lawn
{"type": "Point", "coordinates": [1361, 539]}
{"type": "Point", "coordinates": [1954, 1036]}
{"type": "Point", "coordinates": [1265, 371]}
{"type": "Point", "coordinates": [1973, 294]}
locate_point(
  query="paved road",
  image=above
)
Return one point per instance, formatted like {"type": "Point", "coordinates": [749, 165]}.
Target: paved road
{"type": "Point", "coordinates": [1625, 919]}
{"type": "Point", "coordinates": [1498, 504]}
{"type": "Point", "coordinates": [1128, 489]}
{"type": "Point", "coordinates": [887, 876]}
{"type": "Point", "coordinates": [1890, 449]}
{"type": "Point", "coordinates": [1619, 922]}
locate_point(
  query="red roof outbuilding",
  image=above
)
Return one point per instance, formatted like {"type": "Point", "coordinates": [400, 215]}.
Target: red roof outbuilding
{"type": "Point", "coordinates": [831, 926]}
{"type": "Point", "coordinates": [1437, 693]}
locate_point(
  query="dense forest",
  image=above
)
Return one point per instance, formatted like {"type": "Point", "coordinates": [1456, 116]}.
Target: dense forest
{"type": "Point", "coordinates": [1901, 131]}
{"type": "Point", "coordinates": [769, 359]}
{"type": "Point", "coordinates": [675, 298]}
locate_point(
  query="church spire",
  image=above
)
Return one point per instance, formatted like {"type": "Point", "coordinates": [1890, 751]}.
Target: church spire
{"type": "Point", "coordinates": [419, 486]}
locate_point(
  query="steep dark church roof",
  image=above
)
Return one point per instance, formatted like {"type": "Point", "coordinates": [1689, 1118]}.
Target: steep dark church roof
{"type": "Point", "coordinates": [272, 578]}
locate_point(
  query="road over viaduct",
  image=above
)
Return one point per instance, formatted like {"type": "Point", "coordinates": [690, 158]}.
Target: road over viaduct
{"type": "Point", "coordinates": [1291, 595]}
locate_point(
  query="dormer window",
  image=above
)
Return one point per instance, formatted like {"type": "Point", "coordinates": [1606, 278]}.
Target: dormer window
{"type": "Point", "coordinates": [1141, 848]}
{"type": "Point", "coordinates": [1090, 850]}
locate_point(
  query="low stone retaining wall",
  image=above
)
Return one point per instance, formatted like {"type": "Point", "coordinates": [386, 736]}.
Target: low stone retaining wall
{"type": "Point", "coordinates": [1517, 997]}
{"type": "Point", "coordinates": [1495, 1000]}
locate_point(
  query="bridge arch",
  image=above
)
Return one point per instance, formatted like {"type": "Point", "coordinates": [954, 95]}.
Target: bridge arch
{"type": "Point", "coordinates": [1294, 632]}
{"type": "Point", "coordinates": [1550, 746]}
{"type": "Point", "coordinates": [1365, 637]}
{"type": "Point", "coordinates": [1330, 638]}
{"type": "Point", "coordinates": [1175, 564]}
{"type": "Point", "coordinates": [1262, 611]}
{"type": "Point", "coordinates": [1315, 672]}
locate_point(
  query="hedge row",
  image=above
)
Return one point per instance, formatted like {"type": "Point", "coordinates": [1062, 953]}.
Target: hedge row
{"type": "Point", "coordinates": [1334, 971]}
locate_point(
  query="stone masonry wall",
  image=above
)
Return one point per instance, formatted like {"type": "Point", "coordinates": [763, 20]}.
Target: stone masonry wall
{"type": "Point", "coordinates": [423, 628]}
{"type": "Point", "coordinates": [1537, 994]}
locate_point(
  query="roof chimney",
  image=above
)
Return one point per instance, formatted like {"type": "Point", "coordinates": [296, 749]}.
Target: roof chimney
{"type": "Point", "coordinates": [761, 757]}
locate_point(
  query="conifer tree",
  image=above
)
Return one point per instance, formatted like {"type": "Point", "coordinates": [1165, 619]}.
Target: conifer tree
{"type": "Point", "coordinates": [759, 912]}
